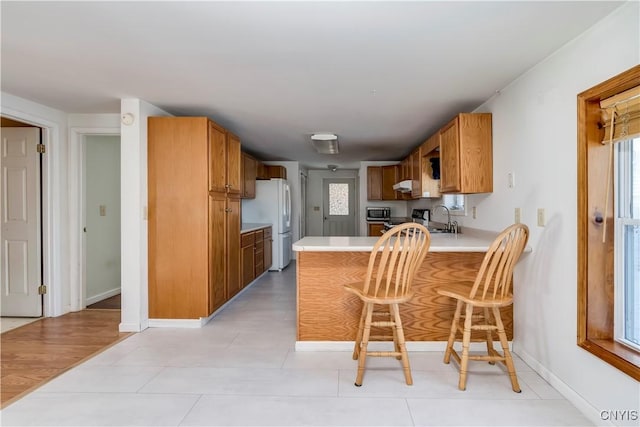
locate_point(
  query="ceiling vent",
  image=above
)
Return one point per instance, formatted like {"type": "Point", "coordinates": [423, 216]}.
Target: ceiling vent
{"type": "Point", "coordinates": [325, 143]}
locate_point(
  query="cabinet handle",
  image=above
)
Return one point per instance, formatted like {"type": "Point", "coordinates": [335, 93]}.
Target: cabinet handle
{"type": "Point", "coordinates": [227, 186]}
{"type": "Point", "coordinates": [228, 210]}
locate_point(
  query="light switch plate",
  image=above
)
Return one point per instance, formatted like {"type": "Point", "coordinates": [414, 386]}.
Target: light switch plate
{"type": "Point", "coordinates": [474, 212]}
{"type": "Point", "coordinates": [541, 217]}
{"type": "Point", "coordinates": [103, 210]}
{"type": "Point", "coordinates": [517, 215]}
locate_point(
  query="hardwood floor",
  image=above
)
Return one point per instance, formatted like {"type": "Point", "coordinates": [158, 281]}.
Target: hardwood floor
{"type": "Point", "coordinates": [35, 353]}
{"type": "Point", "coordinates": [112, 303]}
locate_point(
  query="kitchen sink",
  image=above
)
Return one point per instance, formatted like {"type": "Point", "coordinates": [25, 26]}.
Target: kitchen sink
{"type": "Point", "coordinates": [434, 230]}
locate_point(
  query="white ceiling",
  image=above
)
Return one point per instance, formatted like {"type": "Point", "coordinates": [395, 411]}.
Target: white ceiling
{"type": "Point", "coordinates": [381, 75]}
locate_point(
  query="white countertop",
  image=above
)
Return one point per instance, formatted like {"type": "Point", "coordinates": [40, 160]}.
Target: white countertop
{"type": "Point", "coordinates": [470, 240]}
{"type": "Point", "coordinates": [252, 226]}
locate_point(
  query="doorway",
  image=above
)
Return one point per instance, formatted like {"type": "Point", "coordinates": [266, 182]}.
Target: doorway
{"type": "Point", "coordinates": [339, 202]}
{"type": "Point", "coordinates": [21, 249]}
{"type": "Point", "coordinates": [101, 222]}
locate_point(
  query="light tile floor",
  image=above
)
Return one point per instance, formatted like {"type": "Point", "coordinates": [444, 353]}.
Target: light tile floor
{"type": "Point", "coordinates": [9, 323]}
{"type": "Point", "coordinates": [241, 369]}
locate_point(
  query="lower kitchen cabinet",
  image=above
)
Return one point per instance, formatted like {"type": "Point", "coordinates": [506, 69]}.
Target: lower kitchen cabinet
{"type": "Point", "coordinates": [268, 248]}
{"type": "Point", "coordinates": [375, 228]}
{"type": "Point", "coordinates": [247, 257]}
{"type": "Point", "coordinates": [255, 253]}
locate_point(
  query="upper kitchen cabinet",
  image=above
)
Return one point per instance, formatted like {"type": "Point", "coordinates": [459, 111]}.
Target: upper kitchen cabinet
{"type": "Point", "coordinates": [234, 165]}
{"type": "Point", "coordinates": [416, 174]}
{"type": "Point", "coordinates": [224, 161]}
{"type": "Point", "coordinates": [430, 166]}
{"type": "Point", "coordinates": [380, 180]}
{"type": "Point", "coordinates": [390, 176]}
{"type": "Point", "coordinates": [374, 183]}
{"type": "Point", "coordinates": [249, 175]}
{"type": "Point", "coordinates": [275, 171]}
{"type": "Point", "coordinates": [466, 154]}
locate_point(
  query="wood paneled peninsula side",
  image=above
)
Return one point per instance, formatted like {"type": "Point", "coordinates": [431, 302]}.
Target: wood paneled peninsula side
{"type": "Point", "coordinates": [327, 316]}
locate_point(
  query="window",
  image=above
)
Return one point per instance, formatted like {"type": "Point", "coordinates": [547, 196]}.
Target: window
{"type": "Point", "coordinates": [609, 221]}
{"type": "Point", "coordinates": [455, 203]}
{"type": "Point", "coordinates": [627, 244]}
{"type": "Point", "coordinates": [338, 199]}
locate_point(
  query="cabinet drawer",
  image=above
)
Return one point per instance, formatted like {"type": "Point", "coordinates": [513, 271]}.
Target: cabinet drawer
{"type": "Point", "coordinates": [259, 245]}
{"type": "Point", "coordinates": [267, 232]}
{"type": "Point", "coordinates": [259, 235]}
{"type": "Point", "coordinates": [247, 239]}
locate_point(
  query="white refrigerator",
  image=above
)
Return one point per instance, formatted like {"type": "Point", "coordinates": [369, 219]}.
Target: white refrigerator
{"type": "Point", "coordinates": [273, 205]}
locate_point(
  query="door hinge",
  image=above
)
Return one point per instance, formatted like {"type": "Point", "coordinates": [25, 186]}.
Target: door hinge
{"type": "Point", "coordinates": [41, 148]}
{"type": "Point", "coordinates": [42, 289]}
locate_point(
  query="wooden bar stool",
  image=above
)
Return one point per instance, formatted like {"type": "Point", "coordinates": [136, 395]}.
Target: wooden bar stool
{"type": "Point", "coordinates": [490, 291]}
{"type": "Point", "coordinates": [393, 263]}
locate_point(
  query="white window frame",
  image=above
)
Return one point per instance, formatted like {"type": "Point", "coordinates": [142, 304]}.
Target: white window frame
{"type": "Point", "coordinates": [622, 197]}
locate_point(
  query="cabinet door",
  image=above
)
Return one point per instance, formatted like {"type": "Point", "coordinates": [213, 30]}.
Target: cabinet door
{"type": "Point", "coordinates": [416, 174]}
{"type": "Point", "coordinates": [430, 170]}
{"type": "Point", "coordinates": [217, 158]}
{"type": "Point", "coordinates": [374, 183]}
{"type": "Point", "coordinates": [476, 154]}
{"type": "Point", "coordinates": [375, 229]}
{"type": "Point", "coordinates": [259, 254]}
{"type": "Point", "coordinates": [389, 177]}
{"type": "Point", "coordinates": [217, 250]}
{"type": "Point", "coordinates": [450, 157]}
{"type": "Point", "coordinates": [247, 254]}
{"type": "Point", "coordinates": [234, 160]}
{"type": "Point", "coordinates": [249, 173]}
{"type": "Point", "coordinates": [267, 248]}
{"type": "Point", "coordinates": [233, 246]}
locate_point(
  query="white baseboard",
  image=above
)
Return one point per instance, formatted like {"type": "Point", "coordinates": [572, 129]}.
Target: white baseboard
{"type": "Point", "coordinates": [130, 327]}
{"type": "Point", "coordinates": [197, 323]}
{"type": "Point", "coordinates": [104, 295]}
{"type": "Point", "coordinates": [382, 346]}
{"type": "Point", "coordinates": [578, 401]}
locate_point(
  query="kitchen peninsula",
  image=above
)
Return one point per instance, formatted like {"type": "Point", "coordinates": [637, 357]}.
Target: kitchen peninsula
{"type": "Point", "coordinates": [328, 316]}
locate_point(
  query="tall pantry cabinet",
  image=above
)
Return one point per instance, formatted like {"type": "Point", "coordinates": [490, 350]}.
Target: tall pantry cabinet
{"type": "Point", "coordinates": [194, 216]}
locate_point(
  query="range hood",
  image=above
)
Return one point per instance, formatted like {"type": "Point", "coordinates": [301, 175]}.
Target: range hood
{"type": "Point", "coordinates": [403, 186]}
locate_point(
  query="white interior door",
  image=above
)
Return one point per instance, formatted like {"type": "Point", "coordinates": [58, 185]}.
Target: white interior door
{"type": "Point", "coordinates": [19, 253]}
{"type": "Point", "coordinates": [339, 206]}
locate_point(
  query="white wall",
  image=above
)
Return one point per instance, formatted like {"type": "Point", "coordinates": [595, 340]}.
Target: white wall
{"type": "Point", "coordinates": [102, 237]}
{"type": "Point", "coordinates": [55, 192]}
{"type": "Point", "coordinates": [315, 221]}
{"type": "Point", "coordinates": [535, 136]}
{"type": "Point", "coordinates": [398, 208]}
{"type": "Point", "coordinates": [134, 246]}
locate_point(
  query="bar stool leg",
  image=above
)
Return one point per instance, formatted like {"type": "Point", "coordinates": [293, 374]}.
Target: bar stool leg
{"type": "Point", "coordinates": [466, 339]}
{"type": "Point", "coordinates": [365, 341]}
{"type": "Point", "coordinates": [507, 354]}
{"type": "Point", "coordinates": [490, 349]}
{"type": "Point", "coordinates": [452, 333]}
{"type": "Point", "coordinates": [401, 343]}
{"type": "Point", "coordinates": [356, 346]}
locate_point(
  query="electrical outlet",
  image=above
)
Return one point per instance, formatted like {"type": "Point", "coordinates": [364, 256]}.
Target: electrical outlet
{"type": "Point", "coordinates": [541, 218]}
{"type": "Point", "coordinates": [511, 178]}
{"type": "Point", "coordinates": [103, 210]}
{"type": "Point", "coordinates": [473, 212]}
{"type": "Point", "coordinates": [517, 215]}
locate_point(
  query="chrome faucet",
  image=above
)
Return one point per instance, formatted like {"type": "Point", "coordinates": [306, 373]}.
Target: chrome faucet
{"type": "Point", "coordinates": [450, 227]}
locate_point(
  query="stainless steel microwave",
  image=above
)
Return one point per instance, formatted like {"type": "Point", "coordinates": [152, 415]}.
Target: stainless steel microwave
{"type": "Point", "coordinates": [378, 214]}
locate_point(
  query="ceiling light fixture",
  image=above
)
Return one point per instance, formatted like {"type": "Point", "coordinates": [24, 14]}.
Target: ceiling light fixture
{"type": "Point", "coordinates": [325, 143]}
